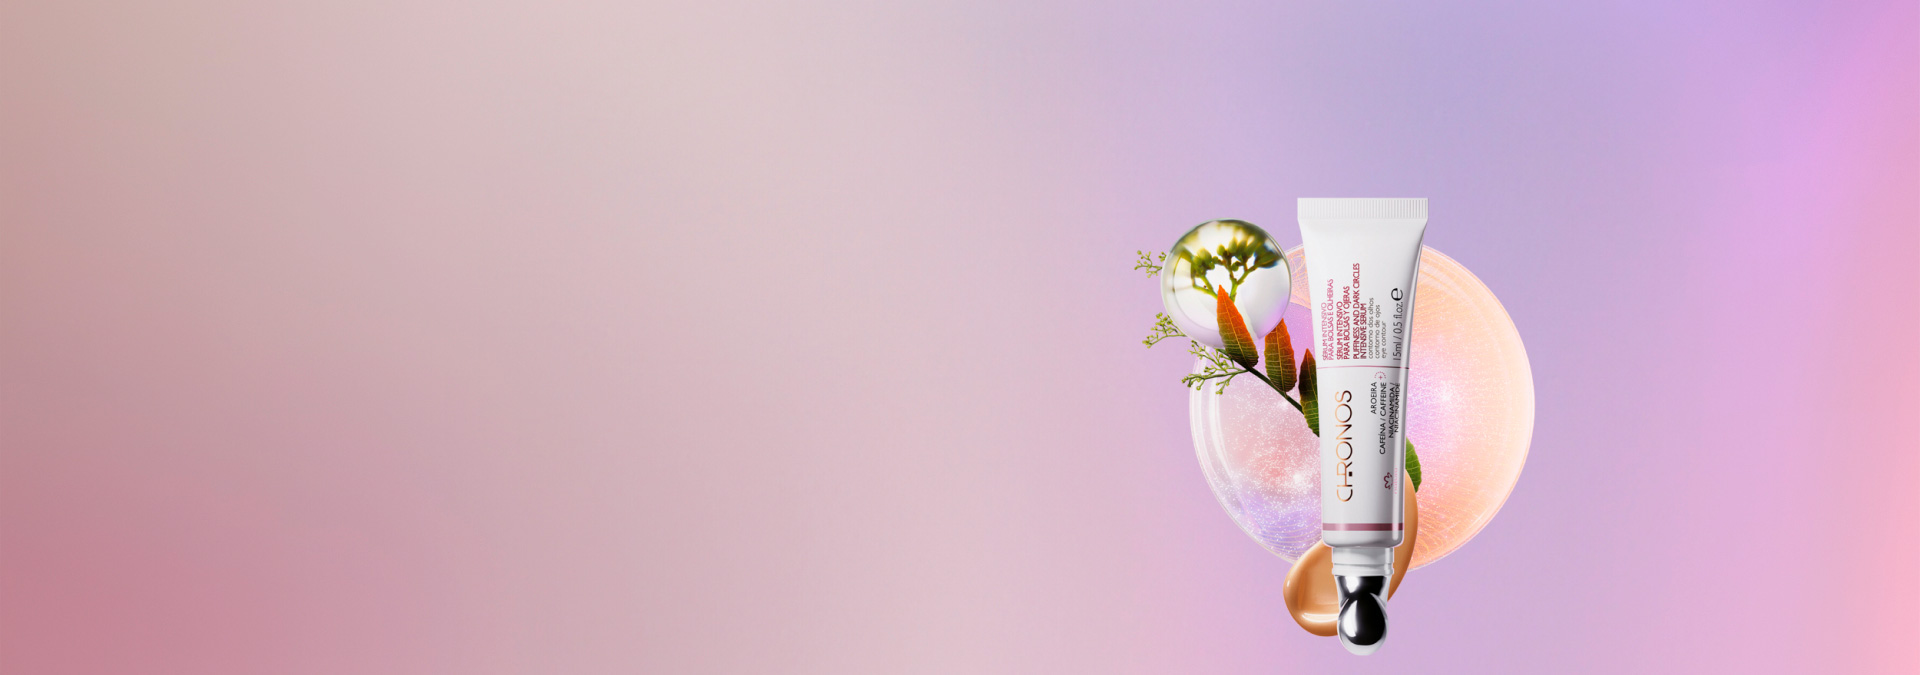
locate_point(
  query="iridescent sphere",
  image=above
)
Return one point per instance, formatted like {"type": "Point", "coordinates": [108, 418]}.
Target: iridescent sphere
{"type": "Point", "coordinates": [1230, 254]}
{"type": "Point", "coordinates": [1469, 415]}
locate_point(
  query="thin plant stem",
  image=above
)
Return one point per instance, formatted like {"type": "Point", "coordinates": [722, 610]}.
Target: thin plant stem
{"type": "Point", "coordinates": [1283, 394]}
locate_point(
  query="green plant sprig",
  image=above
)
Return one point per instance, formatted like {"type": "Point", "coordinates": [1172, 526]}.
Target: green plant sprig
{"type": "Point", "coordinates": [1218, 367]}
{"type": "Point", "coordinates": [1150, 263]}
{"type": "Point", "coordinates": [1163, 329]}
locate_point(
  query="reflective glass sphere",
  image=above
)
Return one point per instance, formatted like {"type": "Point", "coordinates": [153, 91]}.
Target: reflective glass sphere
{"type": "Point", "coordinates": [1230, 254]}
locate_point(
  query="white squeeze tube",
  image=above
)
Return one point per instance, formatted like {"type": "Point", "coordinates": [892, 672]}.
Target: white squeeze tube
{"type": "Point", "coordinates": [1363, 262]}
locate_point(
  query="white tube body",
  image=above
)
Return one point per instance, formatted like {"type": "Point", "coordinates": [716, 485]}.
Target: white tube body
{"type": "Point", "coordinates": [1363, 264]}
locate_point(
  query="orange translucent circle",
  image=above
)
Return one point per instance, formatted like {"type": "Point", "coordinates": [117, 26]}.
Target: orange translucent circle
{"type": "Point", "coordinates": [1469, 414]}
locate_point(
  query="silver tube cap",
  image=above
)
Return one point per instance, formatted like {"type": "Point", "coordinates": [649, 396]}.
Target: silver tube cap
{"type": "Point", "coordinates": [1363, 613]}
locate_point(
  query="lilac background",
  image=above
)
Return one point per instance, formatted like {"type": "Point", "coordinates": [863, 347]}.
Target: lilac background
{"type": "Point", "coordinates": [412, 337]}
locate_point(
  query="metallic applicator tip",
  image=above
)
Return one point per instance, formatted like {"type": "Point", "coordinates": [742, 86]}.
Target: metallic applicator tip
{"type": "Point", "coordinates": [1363, 613]}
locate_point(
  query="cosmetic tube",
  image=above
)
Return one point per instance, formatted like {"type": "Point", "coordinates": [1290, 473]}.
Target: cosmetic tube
{"type": "Point", "coordinates": [1363, 262]}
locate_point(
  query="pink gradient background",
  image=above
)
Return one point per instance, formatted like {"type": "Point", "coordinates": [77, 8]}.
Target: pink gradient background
{"type": "Point", "coordinates": [435, 337]}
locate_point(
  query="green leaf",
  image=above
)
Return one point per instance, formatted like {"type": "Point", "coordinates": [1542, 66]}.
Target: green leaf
{"type": "Point", "coordinates": [1310, 393]}
{"type": "Point", "coordinates": [1233, 331]}
{"type": "Point", "coordinates": [1280, 367]}
{"type": "Point", "coordinates": [1413, 465]}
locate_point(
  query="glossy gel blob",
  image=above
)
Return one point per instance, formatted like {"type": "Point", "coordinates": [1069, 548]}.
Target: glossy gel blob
{"type": "Point", "coordinates": [1234, 255]}
{"type": "Point", "coordinates": [1469, 415]}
